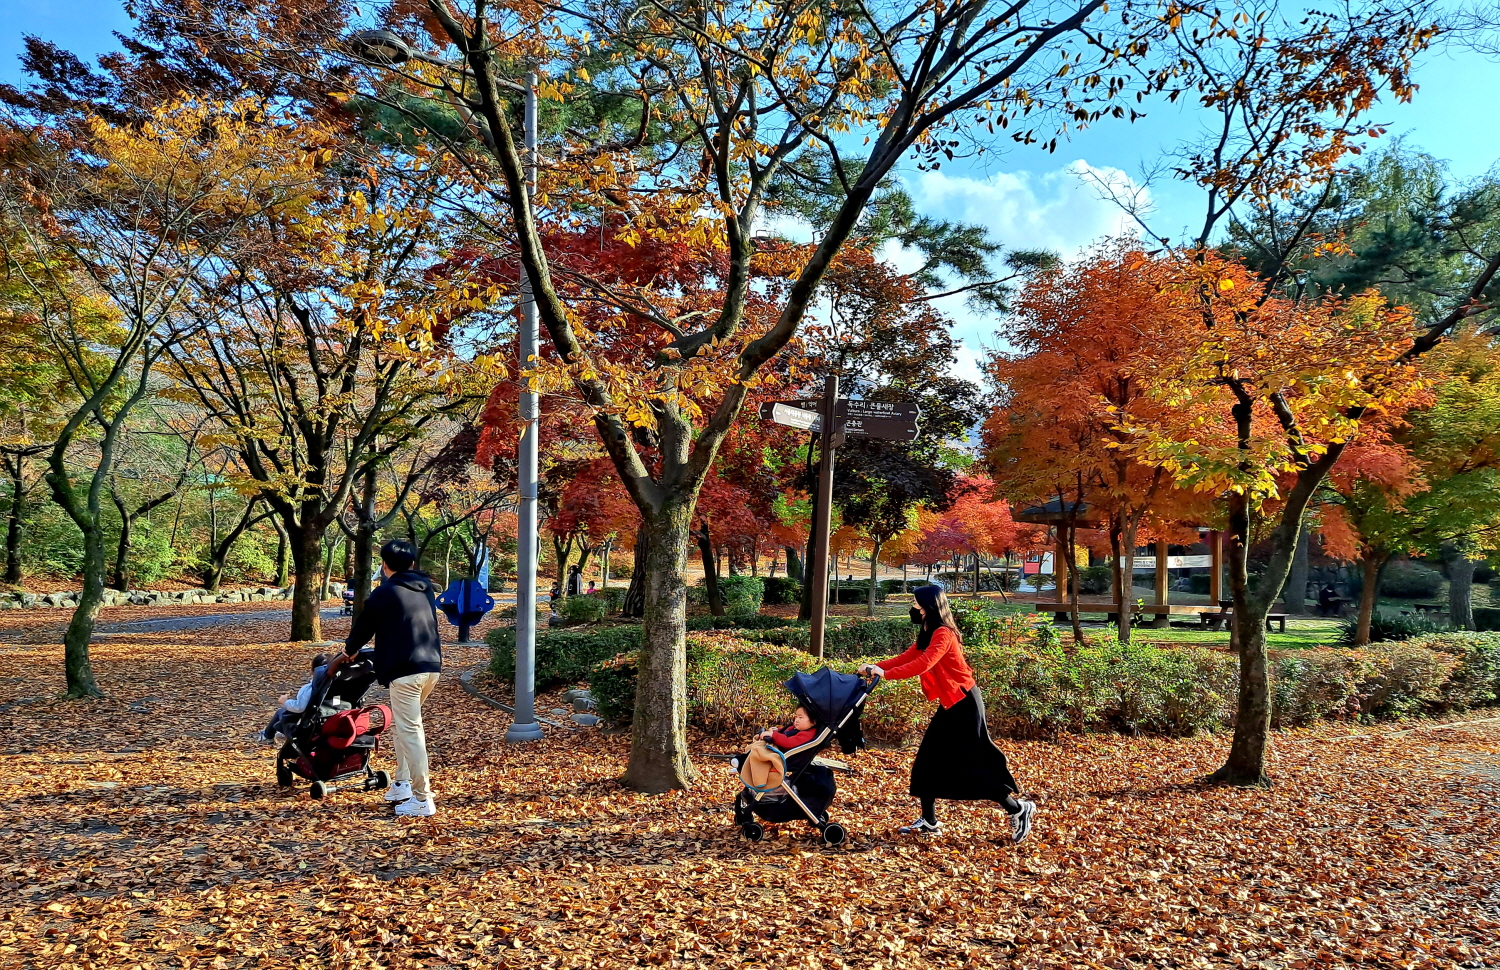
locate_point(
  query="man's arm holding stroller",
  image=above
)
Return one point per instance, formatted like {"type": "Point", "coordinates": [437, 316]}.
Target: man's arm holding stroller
{"type": "Point", "coordinates": [361, 631]}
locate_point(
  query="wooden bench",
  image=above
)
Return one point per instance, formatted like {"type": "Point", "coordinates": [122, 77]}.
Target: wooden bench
{"type": "Point", "coordinates": [1213, 619]}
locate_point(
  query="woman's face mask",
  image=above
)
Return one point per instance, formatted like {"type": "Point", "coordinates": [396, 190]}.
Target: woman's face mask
{"type": "Point", "coordinates": [916, 616]}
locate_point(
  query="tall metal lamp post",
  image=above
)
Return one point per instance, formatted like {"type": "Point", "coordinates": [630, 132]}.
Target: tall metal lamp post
{"type": "Point", "coordinates": [385, 48]}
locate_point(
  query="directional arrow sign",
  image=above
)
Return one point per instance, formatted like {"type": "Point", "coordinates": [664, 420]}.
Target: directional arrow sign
{"type": "Point", "coordinates": [890, 429]}
{"type": "Point", "coordinates": [902, 410]}
{"type": "Point", "coordinates": [793, 416]}
{"type": "Point", "coordinates": [799, 414]}
{"type": "Point", "coordinates": [897, 410]}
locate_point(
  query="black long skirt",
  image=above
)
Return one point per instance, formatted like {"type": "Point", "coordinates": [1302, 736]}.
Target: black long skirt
{"type": "Point", "coordinates": [957, 760]}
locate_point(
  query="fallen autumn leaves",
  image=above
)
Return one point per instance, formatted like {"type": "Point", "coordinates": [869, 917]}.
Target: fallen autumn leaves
{"type": "Point", "coordinates": [143, 830]}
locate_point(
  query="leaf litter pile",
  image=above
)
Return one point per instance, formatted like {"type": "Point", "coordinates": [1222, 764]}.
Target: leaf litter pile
{"type": "Point", "coordinates": [145, 830]}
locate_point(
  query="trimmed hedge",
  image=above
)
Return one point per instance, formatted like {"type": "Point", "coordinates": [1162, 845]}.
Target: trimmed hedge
{"type": "Point", "coordinates": [562, 656]}
{"type": "Point", "coordinates": [780, 590]}
{"type": "Point", "coordinates": [1410, 580]}
{"type": "Point", "coordinates": [1035, 686]}
{"type": "Point", "coordinates": [1386, 627]}
{"type": "Point", "coordinates": [584, 608]}
{"type": "Point", "coordinates": [741, 594]}
{"type": "Point", "coordinates": [1486, 618]}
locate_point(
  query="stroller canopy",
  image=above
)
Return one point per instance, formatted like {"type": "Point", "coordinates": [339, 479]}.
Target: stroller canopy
{"type": "Point", "coordinates": [827, 695]}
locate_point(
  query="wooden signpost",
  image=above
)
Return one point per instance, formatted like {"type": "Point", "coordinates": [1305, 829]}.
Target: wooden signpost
{"type": "Point", "coordinates": [886, 420]}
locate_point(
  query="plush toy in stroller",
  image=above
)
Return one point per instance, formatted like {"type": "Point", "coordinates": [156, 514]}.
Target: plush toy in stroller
{"type": "Point", "coordinates": [787, 785]}
{"type": "Point", "coordinates": [335, 736]}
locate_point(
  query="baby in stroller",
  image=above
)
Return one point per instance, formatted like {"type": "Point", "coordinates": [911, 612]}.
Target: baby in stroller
{"type": "Point", "coordinates": [332, 740]}
{"type": "Point", "coordinates": [784, 778]}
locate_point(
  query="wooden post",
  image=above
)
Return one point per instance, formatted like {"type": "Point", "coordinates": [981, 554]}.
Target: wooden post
{"type": "Point", "coordinates": [832, 431]}
{"type": "Point", "coordinates": [1060, 566]}
{"type": "Point", "coordinates": [1216, 566]}
{"type": "Point", "coordinates": [1162, 585]}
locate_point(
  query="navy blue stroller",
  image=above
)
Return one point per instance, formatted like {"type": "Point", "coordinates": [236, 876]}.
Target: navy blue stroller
{"type": "Point", "coordinates": [835, 701]}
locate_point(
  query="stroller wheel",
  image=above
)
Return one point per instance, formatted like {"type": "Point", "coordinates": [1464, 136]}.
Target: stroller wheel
{"type": "Point", "coordinates": [754, 831]}
{"type": "Point", "coordinates": [382, 780]}
{"type": "Point", "coordinates": [283, 774]}
{"type": "Point", "coordinates": [834, 834]}
{"type": "Point", "coordinates": [318, 789]}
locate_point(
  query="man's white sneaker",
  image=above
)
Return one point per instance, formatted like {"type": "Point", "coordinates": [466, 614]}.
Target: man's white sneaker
{"type": "Point", "coordinates": [922, 827]}
{"type": "Point", "coordinates": [418, 807]}
{"type": "Point", "coordinates": [399, 791]}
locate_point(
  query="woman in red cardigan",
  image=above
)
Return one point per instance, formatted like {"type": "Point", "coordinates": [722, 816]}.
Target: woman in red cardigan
{"type": "Point", "coordinates": [957, 759]}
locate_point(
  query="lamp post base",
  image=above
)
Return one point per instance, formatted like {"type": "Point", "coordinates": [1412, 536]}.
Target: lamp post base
{"type": "Point", "coordinates": [518, 733]}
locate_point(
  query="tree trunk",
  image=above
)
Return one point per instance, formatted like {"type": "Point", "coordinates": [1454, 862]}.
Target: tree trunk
{"type": "Point", "coordinates": [874, 577]}
{"type": "Point", "coordinates": [710, 570]}
{"type": "Point", "coordinates": [121, 579]}
{"type": "Point", "coordinates": [1372, 565]}
{"type": "Point", "coordinates": [1461, 592]}
{"type": "Point", "coordinates": [1122, 548]}
{"type": "Point", "coordinates": [80, 670]}
{"type": "Point", "coordinates": [15, 524]}
{"type": "Point", "coordinates": [1070, 533]}
{"type": "Point", "coordinates": [283, 556]}
{"type": "Point", "coordinates": [635, 594]}
{"type": "Point", "coordinates": [659, 749]}
{"type": "Point", "coordinates": [363, 573]}
{"type": "Point", "coordinates": [1246, 764]}
{"type": "Point", "coordinates": [307, 591]}
{"type": "Point", "coordinates": [810, 556]}
{"type": "Point", "coordinates": [1295, 593]}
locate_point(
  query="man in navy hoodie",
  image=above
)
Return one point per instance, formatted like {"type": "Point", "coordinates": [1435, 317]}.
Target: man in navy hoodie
{"type": "Point", "coordinates": [401, 616]}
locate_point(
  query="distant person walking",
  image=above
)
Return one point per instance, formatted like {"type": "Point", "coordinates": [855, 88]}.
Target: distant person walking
{"type": "Point", "coordinates": [401, 616]}
{"type": "Point", "coordinates": [957, 758]}
{"type": "Point", "coordinates": [575, 580]}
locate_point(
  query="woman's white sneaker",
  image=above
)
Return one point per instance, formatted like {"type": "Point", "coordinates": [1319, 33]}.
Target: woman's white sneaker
{"type": "Point", "coordinates": [399, 791]}
{"type": "Point", "coordinates": [418, 807]}
{"type": "Point", "coordinates": [1020, 823]}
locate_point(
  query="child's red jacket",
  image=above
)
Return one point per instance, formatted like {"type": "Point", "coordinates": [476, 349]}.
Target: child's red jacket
{"type": "Point", "coordinates": [786, 739]}
{"type": "Point", "coordinates": [946, 675]}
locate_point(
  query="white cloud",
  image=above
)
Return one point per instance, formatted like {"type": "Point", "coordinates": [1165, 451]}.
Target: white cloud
{"type": "Point", "coordinates": [1061, 210]}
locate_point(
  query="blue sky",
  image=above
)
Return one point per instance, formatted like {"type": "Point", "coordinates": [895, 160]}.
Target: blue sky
{"type": "Point", "coordinates": [1028, 198]}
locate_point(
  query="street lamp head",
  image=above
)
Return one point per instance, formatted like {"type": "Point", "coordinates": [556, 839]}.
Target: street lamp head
{"type": "Point", "coordinates": [379, 47]}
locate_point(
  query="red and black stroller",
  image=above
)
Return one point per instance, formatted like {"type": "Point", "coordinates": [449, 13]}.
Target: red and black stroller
{"type": "Point", "coordinates": [333, 739]}
{"type": "Point", "coordinates": [807, 787]}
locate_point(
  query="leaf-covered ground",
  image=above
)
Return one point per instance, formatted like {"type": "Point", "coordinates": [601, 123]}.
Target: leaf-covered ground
{"type": "Point", "coordinates": [145, 830]}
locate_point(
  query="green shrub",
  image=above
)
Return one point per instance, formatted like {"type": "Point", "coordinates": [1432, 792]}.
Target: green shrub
{"type": "Point", "coordinates": [752, 621]}
{"type": "Point", "coordinates": [614, 598]}
{"type": "Point", "coordinates": [1199, 584]}
{"type": "Point", "coordinates": [1475, 681]}
{"type": "Point", "coordinates": [742, 594]}
{"type": "Point", "coordinates": [1036, 581]}
{"type": "Point", "coordinates": [1486, 618]}
{"type": "Point", "coordinates": [780, 590]}
{"type": "Point", "coordinates": [584, 608]}
{"type": "Point", "coordinates": [562, 656]}
{"type": "Point", "coordinates": [1387, 627]}
{"type": "Point", "coordinates": [612, 682]}
{"type": "Point", "coordinates": [1410, 580]}
{"type": "Point", "coordinates": [1095, 580]}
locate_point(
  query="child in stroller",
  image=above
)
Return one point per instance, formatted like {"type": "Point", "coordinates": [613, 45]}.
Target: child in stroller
{"type": "Point", "coordinates": [804, 787]}
{"type": "Point", "coordinates": [333, 738]}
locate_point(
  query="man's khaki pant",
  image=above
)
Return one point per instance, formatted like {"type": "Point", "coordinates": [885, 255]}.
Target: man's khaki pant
{"type": "Point", "coordinates": [410, 741]}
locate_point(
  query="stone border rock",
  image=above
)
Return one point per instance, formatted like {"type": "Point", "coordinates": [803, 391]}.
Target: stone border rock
{"type": "Point", "coordinates": [152, 597]}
